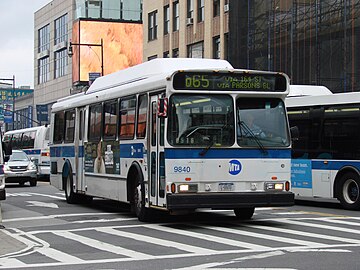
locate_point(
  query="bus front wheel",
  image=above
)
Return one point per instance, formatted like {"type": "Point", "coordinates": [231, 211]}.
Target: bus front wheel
{"type": "Point", "coordinates": [141, 211]}
{"type": "Point", "coordinates": [70, 195]}
{"type": "Point", "coordinates": [244, 213]}
{"type": "Point", "coordinates": [350, 192]}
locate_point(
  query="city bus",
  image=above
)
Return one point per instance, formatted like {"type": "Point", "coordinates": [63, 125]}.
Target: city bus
{"type": "Point", "coordinates": [326, 156]}
{"type": "Point", "coordinates": [166, 135]}
{"type": "Point", "coordinates": [34, 142]}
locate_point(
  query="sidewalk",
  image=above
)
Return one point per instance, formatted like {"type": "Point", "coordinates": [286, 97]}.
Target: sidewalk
{"type": "Point", "coordinates": [8, 244]}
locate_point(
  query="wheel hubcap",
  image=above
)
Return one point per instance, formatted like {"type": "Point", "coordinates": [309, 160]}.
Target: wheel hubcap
{"type": "Point", "coordinates": [351, 191]}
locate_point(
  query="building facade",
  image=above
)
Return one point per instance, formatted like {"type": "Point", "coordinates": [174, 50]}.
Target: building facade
{"type": "Point", "coordinates": [185, 28]}
{"type": "Point", "coordinates": [314, 42]}
{"type": "Point", "coordinates": [106, 36]}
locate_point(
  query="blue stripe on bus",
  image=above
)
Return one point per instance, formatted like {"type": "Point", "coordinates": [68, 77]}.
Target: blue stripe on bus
{"type": "Point", "coordinates": [333, 164]}
{"type": "Point", "coordinates": [135, 150]}
{"type": "Point", "coordinates": [65, 151]}
{"type": "Point", "coordinates": [32, 151]}
{"type": "Point", "coordinates": [225, 153]}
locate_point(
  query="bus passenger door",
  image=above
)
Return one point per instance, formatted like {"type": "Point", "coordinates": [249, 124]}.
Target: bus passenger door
{"type": "Point", "coordinates": [157, 156]}
{"type": "Point", "coordinates": [79, 148]}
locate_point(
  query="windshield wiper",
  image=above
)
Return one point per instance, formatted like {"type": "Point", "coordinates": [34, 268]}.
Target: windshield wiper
{"type": "Point", "coordinates": [207, 148]}
{"type": "Point", "coordinates": [243, 125]}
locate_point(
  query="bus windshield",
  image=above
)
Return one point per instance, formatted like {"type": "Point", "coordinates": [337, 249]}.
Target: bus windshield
{"type": "Point", "coordinates": [261, 123]}
{"type": "Point", "coordinates": [201, 120]}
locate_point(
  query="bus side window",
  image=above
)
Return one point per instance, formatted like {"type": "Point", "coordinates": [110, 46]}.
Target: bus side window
{"type": "Point", "coordinates": [59, 127]}
{"type": "Point", "coordinates": [95, 119]}
{"type": "Point", "coordinates": [127, 118]}
{"type": "Point", "coordinates": [69, 126]}
{"type": "Point", "coordinates": [142, 116]}
{"type": "Point", "coordinates": [110, 120]}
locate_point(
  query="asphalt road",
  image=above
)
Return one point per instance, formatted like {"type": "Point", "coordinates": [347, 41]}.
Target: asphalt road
{"type": "Point", "coordinates": [104, 235]}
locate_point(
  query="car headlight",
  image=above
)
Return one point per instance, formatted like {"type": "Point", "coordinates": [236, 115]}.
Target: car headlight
{"type": "Point", "coordinates": [31, 166]}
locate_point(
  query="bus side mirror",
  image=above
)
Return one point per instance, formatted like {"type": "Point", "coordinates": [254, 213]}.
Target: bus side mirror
{"type": "Point", "coordinates": [294, 132]}
{"type": "Point", "coordinates": [162, 107]}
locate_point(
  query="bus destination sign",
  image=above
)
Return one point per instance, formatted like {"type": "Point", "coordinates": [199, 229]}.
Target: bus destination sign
{"type": "Point", "coordinates": [230, 81]}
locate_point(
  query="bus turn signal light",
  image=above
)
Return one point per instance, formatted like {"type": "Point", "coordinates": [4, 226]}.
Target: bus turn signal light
{"type": "Point", "coordinates": [287, 185]}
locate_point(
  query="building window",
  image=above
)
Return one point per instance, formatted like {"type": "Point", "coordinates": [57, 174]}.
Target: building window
{"type": "Point", "coordinates": [196, 50]}
{"type": "Point", "coordinates": [43, 70]}
{"type": "Point", "coordinates": [216, 47]}
{"type": "Point", "coordinates": [176, 19]}
{"type": "Point", "coordinates": [111, 9]}
{"type": "Point", "coordinates": [93, 9]}
{"type": "Point", "coordinates": [190, 9]}
{"type": "Point", "coordinates": [216, 8]}
{"type": "Point", "coordinates": [152, 57]}
{"type": "Point", "coordinates": [152, 26]}
{"type": "Point", "coordinates": [226, 42]}
{"type": "Point", "coordinates": [201, 10]}
{"type": "Point", "coordinates": [131, 10]}
{"type": "Point", "coordinates": [61, 29]}
{"type": "Point", "coordinates": [61, 62]}
{"type": "Point", "coordinates": [175, 53]}
{"type": "Point", "coordinates": [44, 38]}
{"type": "Point", "coordinates": [166, 54]}
{"type": "Point", "coordinates": [166, 20]}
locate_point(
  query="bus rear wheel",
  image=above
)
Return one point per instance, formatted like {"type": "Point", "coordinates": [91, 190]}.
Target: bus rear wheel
{"type": "Point", "coordinates": [244, 213]}
{"type": "Point", "coordinates": [349, 195]}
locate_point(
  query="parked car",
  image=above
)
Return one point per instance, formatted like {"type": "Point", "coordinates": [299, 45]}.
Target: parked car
{"type": "Point", "coordinates": [20, 169]}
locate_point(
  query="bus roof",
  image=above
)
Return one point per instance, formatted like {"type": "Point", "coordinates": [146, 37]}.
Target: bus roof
{"type": "Point", "coordinates": [164, 66]}
{"type": "Point", "coordinates": [25, 130]}
{"type": "Point", "coordinates": [340, 98]}
{"type": "Point", "coordinates": [308, 90]}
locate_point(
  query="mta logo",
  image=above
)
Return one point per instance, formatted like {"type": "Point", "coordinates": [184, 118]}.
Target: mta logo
{"type": "Point", "coordinates": [234, 167]}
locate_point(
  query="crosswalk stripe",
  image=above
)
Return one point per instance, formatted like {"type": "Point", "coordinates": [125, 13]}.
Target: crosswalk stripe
{"type": "Point", "coordinates": [320, 226]}
{"type": "Point", "coordinates": [11, 263]}
{"type": "Point", "coordinates": [102, 245]}
{"type": "Point", "coordinates": [342, 222]}
{"type": "Point", "coordinates": [212, 238]}
{"type": "Point", "coordinates": [268, 237]}
{"type": "Point", "coordinates": [303, 233]}
{"type": "Point", "coordinates": [156, 241]}
{"type": "Point", "coordinates": [59, 255]}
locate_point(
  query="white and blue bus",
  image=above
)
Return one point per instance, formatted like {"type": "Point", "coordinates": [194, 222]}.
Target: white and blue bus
{"type": "Point", "coordinates": [172, 135]}
{"type": "Point", "coordinates": [326, 156]}
{"type": "Point", "coordinates": [34, 142]}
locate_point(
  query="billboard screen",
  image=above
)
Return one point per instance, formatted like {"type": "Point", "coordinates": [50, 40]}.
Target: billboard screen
{"type": "Point", "coordinates": [122, 47]}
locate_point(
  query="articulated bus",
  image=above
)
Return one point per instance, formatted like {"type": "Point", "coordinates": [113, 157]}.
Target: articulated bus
{"type": "Point", "coordinates": [326, 156]}
{"type": "Point", "coordinates": [171, 134]}
{"type": "Point", "coordinates": [34, 142]}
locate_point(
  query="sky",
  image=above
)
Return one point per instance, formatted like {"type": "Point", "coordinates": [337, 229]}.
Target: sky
{"type": "Point", "coordinates": [17, 40]}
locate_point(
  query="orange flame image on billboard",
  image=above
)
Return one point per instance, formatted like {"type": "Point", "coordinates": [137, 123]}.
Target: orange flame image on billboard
{"type": "Point", "coordinates": [122, 47]}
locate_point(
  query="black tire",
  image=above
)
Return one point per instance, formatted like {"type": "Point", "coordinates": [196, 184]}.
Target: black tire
{"type": "Point", "coordinates": [244, 213]}
{"type": "Point", "coordinates": [349, 193]}
{"type": "Point", "coordinates": [70, 195]}
{"type": "Point", "coordinates": [33, 183]}
{"type": "Point", "coordinates": [142, 213]}
{"type": "Point", "coordinates": [21, 184]}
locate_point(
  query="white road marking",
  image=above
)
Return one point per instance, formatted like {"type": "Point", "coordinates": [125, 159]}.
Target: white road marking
{"type": "Point", "coordinates": [211, 238]}
{"type": "Point", "coordinates": [157, 241]}
{"type": "Point", "coordinates": [42, 204]}
{"type": "Point", "coordinates": [103, 246]}
{"type": "Point", "coordinates": [268, 237]}
{"type": "Point", "coordinates": [60, 256]}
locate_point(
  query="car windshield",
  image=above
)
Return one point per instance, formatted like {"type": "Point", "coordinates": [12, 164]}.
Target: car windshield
{"type": "Point", "coordinates": [261, 123]}
{"type": "Point", "coordinates": [18, 156]}
{"type": "Point", "coordinates": [201, 120]}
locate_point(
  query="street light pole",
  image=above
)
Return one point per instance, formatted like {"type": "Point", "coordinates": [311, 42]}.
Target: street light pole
{"type": "Point", "coordinates": [13, 98]}
{"type": "Point", "coordinates": [70, 51]}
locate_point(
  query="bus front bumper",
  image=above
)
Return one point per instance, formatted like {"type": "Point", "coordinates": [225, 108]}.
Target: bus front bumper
{"type": "Point", "coordinates": [229, 200]}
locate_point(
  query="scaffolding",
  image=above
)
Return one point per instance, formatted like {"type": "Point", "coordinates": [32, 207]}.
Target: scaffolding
{"type": "Point", "coordinates": [313, 41]}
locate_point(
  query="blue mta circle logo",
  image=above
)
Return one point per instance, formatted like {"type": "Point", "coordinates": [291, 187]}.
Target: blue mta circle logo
{"type": "Point", "coordinates": [234, 167]}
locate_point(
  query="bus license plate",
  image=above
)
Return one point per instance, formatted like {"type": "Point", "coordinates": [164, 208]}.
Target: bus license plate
{"type": "Point", "coordinates": [226, 187]}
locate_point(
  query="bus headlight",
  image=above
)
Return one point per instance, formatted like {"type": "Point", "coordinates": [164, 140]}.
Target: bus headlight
{"type": "Point", "coordinates": [274, 186]}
